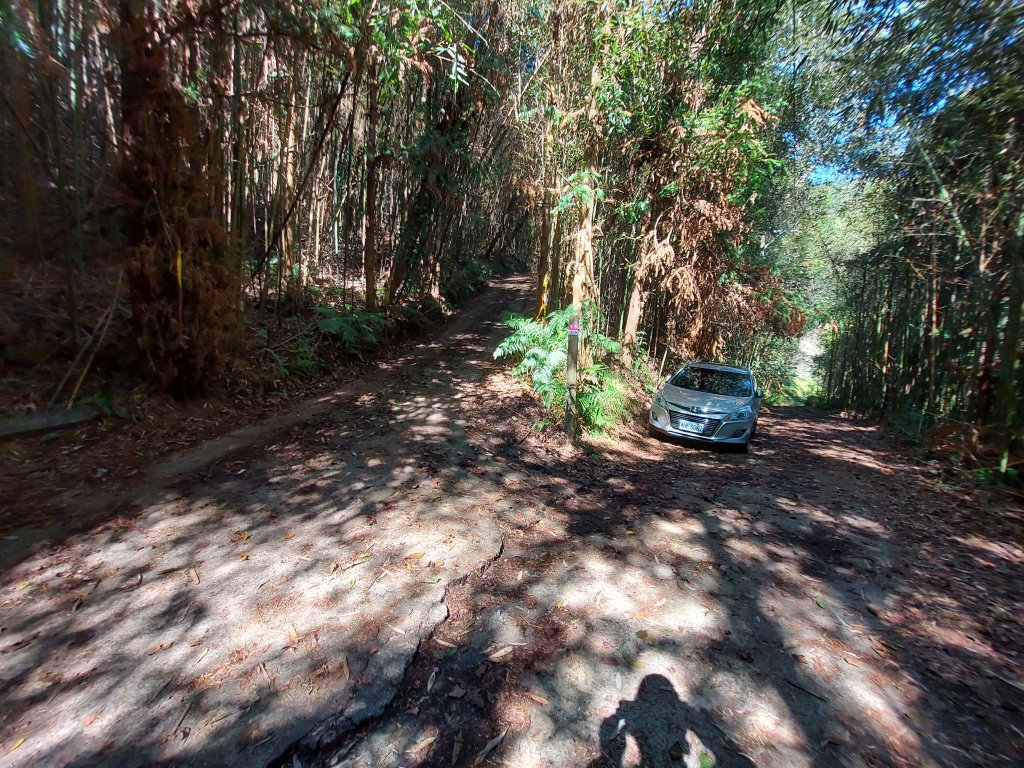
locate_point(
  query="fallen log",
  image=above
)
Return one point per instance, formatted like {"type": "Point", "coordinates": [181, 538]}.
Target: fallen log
{"type": "Point", "coordinates": [45, 421]}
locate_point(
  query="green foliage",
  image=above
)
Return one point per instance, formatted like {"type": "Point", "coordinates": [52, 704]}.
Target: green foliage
{"type": "Point", "coordinates": [298, 359]}
{"type": "Point", "coordinates": [602, 397]}
{"type": "Point", "coordinates": [412, 316]}
{"type": "Point", "coordinates": [996, 476]}
{"type": "Point", "coordinates": [634, 211]}
{"type": "Point", "coordinates": [100, 401]}
{"type": "Point", "coordinates": [466, 279]}
{"type": "Point", "coordinates": [581, 189]}
{"type": "Point", "coordinates": [540, 349]}
{"type": "Point", "coordinates": [352, 334]}
{"type": "Point", "coordinates": [797, 390]}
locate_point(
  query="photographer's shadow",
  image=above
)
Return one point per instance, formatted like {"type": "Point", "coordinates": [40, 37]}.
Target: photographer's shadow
{"type": "Point", "coordinates": [668, 732]}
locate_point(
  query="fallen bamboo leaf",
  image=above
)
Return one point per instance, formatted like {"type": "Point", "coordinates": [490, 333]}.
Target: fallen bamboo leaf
{"type": "Point", "coordinates": [457, 747]}
{"type": "Point", "coordinates": [89, 720]}
{"type": "Point", "coordinates": [445, 643]}
{"type": "Point", "coordinates": [805, 690]}
{"type": "Point", "coordinates": [244, 556]}
{"type": "Point", "coordinates": [422, 745]}
{"type": "Point", "coordinates": [132, 584]}
{"type": "Point", "coordinates": [415, 556]}
{"type": "Point", "coordinates": [22, 586]}
{"type": "Point", "coordinates": [17, 744]}
{"type": "Point", "coordinates": [345, 671]}
{"type": "Point", "coordinates": [293, 636]}
{"type": "Point", "coordinates": [489, 747]}
{"type": "Point", "coordinates": [20, 643]}
{"type": "Point", "coordinates": [397, 629]}
{"type": "Point", "coordinates": [159, 648]}
{"type": "Point", "coordinates": [433, 677]}
{"type": "Point", "coordinates": [537, 698]}
{"type": "Point", "coordinates": [183, 715]}
{"type": "Point", "coordinates": [500, 654]}
{"type": "Point", "coordinates": [195, 575]}
{"type": "Point", "coordinates": [820, 602]}
{"type": "Point", "coordinates": [289, 536]}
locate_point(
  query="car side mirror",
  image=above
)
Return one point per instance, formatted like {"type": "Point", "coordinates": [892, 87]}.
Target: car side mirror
{"type": "Point", "coordinates": [759, 393]}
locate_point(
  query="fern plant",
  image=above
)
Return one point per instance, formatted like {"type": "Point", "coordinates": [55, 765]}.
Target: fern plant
{"type": "Point", "coordinates": [539, 348]}
{"type": "Point", "coordinates": [352, 333]}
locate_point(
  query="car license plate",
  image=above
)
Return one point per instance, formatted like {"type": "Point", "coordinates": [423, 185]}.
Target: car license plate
{"type": "Point", "coordinates": [691, 426]}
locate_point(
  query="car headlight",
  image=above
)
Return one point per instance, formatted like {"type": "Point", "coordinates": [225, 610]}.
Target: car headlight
{"type": "Point", "coordinates": [743, 414]}
{"type": "Point", "coordinates": [659, 400]}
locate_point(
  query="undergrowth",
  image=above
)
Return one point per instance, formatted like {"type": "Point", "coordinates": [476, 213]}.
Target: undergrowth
{"type": "Point", "coordinates": [352, 334]}
{"type": "Point", "coordinates": [339, 335]}
{"type": "Point", "coordinates": [539, 348]}
{"type": "Point", "coordinates": [795, 390]}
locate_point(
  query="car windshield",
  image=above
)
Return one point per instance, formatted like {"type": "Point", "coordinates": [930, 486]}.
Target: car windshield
{"type": "Point", "coordinates": [713, 381]}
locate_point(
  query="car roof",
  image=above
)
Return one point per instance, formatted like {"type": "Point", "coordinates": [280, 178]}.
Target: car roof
{"type": "Point", "coordinates": [717, 367]}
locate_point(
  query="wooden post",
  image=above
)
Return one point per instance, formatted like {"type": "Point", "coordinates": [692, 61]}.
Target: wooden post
{"type": "Point", "coordinates": [570, 376]}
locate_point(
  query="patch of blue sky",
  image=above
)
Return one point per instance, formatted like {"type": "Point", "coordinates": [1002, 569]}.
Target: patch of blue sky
{"type": "Point", "coordinates": [828, 173]}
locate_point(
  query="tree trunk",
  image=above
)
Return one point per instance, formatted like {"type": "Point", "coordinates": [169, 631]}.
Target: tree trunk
{"type": "Point", "coordinates": [370, 266]}
{"type": "Point", "coordinates": [1008, 395]}
{"type": "Point", "coordinates": [634, 310]}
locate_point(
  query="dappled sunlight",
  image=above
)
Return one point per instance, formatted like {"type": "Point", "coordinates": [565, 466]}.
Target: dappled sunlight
{"type": "Point", "coordinates": [289, 585]}
{"type": "Point", "coordinates": [272, 633]}
{"type": "Point", "coordinates": [830, 689]}
{"type": "Point", "coordinates": [450, 586]}
{"type": "Point", "coordinates": [1010, 552]}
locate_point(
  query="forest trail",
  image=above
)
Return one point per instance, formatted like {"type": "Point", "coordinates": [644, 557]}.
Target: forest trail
{"type": "Point", "coordinates": [405, 571]}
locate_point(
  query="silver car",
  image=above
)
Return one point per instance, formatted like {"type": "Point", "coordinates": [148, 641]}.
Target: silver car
{"type": "Point", "coordinates": [707, 402]}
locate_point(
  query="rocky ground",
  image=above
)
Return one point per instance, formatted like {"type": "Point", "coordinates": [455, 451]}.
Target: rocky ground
{"type": "Point", "coordinates": [406, 572]}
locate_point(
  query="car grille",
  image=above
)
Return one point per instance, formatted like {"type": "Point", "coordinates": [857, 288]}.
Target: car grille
{"type": "Point", "coordinates": [710, 425]}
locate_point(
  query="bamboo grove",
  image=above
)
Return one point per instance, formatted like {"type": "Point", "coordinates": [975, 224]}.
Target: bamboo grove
{"type": "Point", "coordinates": [926, 321]}
{"type": "Point", "coordinates": [279, 155]}
{"type": "Point", "coordinates": [271, 155]}
{"type": "Point", "coordinates": [230, 166]}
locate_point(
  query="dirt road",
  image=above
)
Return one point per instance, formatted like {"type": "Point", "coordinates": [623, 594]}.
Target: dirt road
{"type": "Point", "coordinates": [406, 571]}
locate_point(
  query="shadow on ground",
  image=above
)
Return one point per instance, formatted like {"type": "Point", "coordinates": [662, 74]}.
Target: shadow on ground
{"type": "Point", "coordinates": [408, 577]}
{"type": "Point", "coordinates": [812, 604]}
{"type": "Point", "coordinates": [663, 729]}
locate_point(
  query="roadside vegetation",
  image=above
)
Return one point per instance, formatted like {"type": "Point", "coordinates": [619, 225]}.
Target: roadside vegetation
{"type": "Point", "coordinates": [206, 197]}
{"type": "Point", "coordinates": [286, 293]}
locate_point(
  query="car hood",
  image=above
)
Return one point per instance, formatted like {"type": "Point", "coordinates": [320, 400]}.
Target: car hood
{"type": "Point", "coordinates": [703, 400]}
